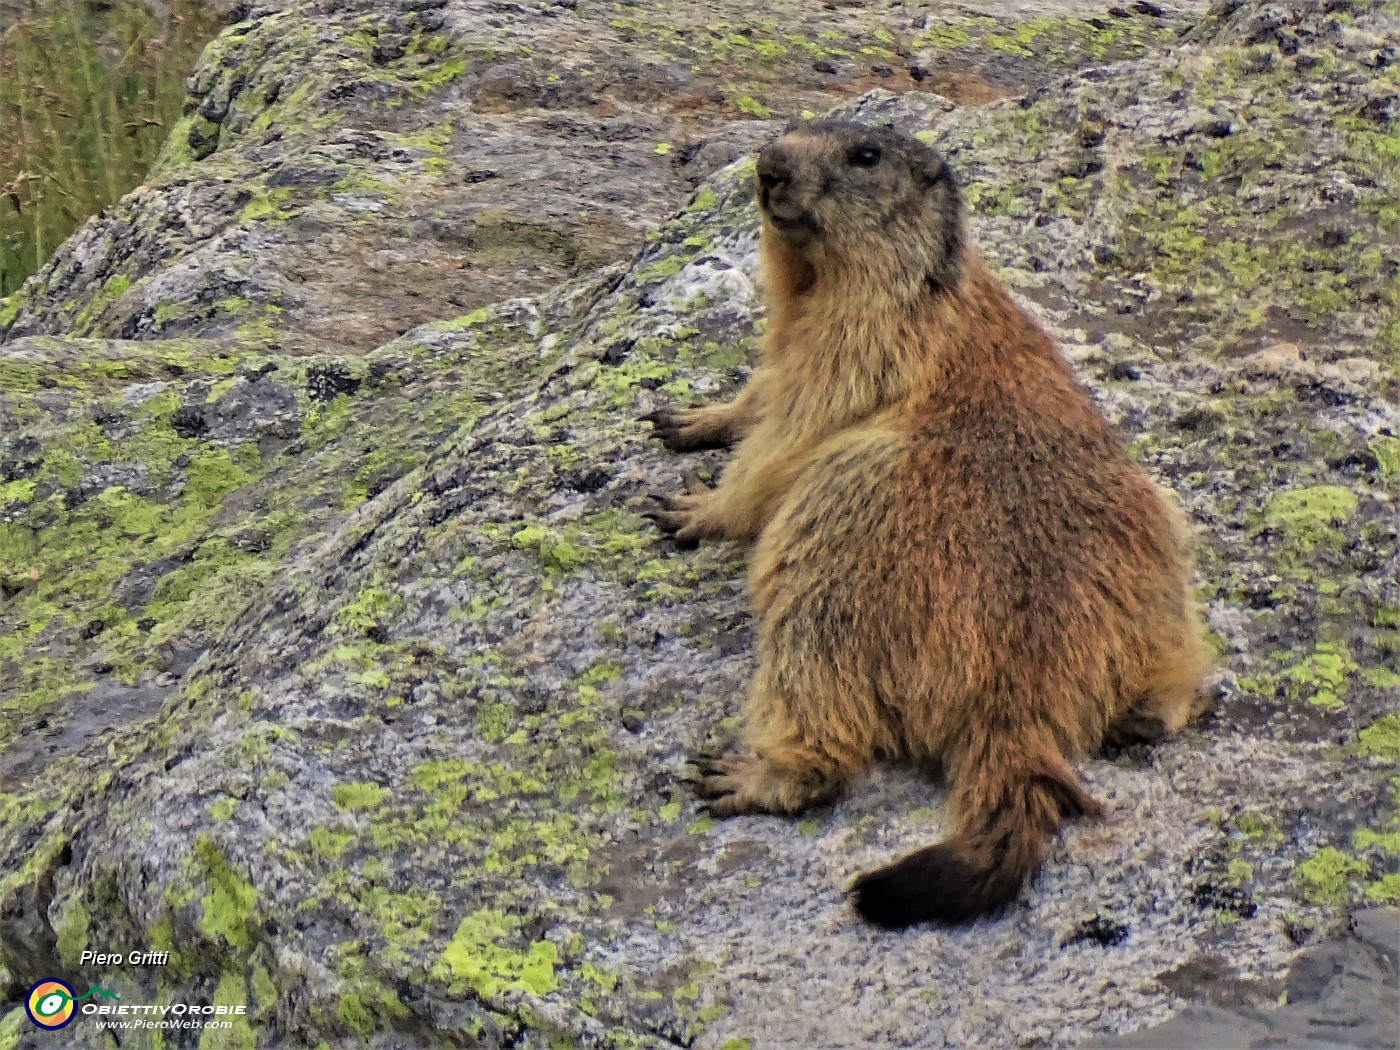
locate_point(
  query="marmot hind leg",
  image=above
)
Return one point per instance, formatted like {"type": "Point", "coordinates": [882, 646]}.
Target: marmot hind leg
{"type": "Point", "coordinates": [795, 751]}
{"type": "Point", "coordinates": [814, 719]}
{"type": "Point", "coordinates": [1169, 697]}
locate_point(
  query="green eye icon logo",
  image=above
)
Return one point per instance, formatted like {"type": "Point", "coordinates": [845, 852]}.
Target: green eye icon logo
{"type": "Point", "coordinates": [50, 1004]}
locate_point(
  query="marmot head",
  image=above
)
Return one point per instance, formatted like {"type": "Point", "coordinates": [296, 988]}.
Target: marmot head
{"type": "Point", "coordinates": [860, 203]}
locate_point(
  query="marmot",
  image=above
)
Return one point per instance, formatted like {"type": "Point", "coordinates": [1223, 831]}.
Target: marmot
{"type": "Point", "coordinates": [955, 561]}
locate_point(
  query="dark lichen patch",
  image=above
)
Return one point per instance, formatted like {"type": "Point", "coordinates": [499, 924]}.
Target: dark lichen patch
{"type": "Point", "coordinates": [1102, 930]}
{"type": "Point", "coordinates": [1226, 900]}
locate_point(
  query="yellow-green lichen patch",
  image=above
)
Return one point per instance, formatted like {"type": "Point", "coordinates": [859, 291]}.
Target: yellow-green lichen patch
{"type": "Point", "coordinates": [230, 994]}
{"type": "Point", "coordinates": [1385, 842]}
{"type": "Point", "coordinates": [553, 550]}
{"type": "Point", "coordinates": [486, 956]}
{"type": "Point", "coordinates": [329, 844]}
{"type": "Point", "coordinates": [223, 808]}
{"type": "Point", "coordinates": [1387, 453]}
{"type": "Point", "coordinates": [268, 206]}
{"type": "Point", "coordinates": [10, 307]}
{"type": "Point", "coordinates": [364, 1004]}
{"type": "Point", "coordinates": [1324, 877]}
{"type": "Point", "coordinates": [67, 562]}
{"type": "Point", "coordinates": [12, 1026]}
{"type": "Point", "coordinates": [228, 908]}
{"type": "Point", "coordinates": [1046, 41]}
{"type": "Point", "coordinates": [1322, 678]}
{"type": "Point", "coordinates": [264, 991]}
{"type": "Point", "coordinates": [353, 797]}
{"type": "Point", "coordinates": [1381, 739]}
{"type": "Point", "coordinates": [1199, 214]}
{"type": "Point", "coordinates": [114, 289]}
{"type": "Point", "coordinates": [1307, 517]}
{"type": "Point", "coordinates": [373, 609]}
{"type": "Point", "coordinates": [1257, 829]}
{"type": "Point", "coordinates": [72, 927]}
{"type": "Point", "coordinates": [1385, 890]}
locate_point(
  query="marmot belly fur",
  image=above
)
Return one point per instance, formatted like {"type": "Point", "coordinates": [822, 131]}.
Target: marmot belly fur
{"type": "Point", "coordinates": [954, 559]}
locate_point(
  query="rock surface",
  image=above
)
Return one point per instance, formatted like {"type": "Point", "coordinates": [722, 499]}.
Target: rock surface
{"type": "Point", "coordinates": [1340, 992]}
{"type": "Point", "coordinates": [336, 660]}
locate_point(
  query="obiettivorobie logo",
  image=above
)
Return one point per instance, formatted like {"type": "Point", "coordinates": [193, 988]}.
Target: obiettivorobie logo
{"type": "Point", "coordinates": [50, 1003]}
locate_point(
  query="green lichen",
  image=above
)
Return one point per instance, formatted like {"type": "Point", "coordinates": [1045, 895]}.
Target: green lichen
{"type": "Point", "coordinates": [10, 306]}
{"type": "Point", "coordinates": [110, 292]}
{"type": "Point", "coordinates": [268, 206]}
{"type": "Point", "coordinates": [17, 491]}
{"type": "Point", "coordinates": [751, 107]}
{"type": "Point", "coordinates": [354, 797]}
{"type": "Point", "coordinates": [363, 183]}
{"type": "Point", "coordinates": [329, 844]}
{"type": "Point", "coordinates": [223, 809]}
{"type": "Point", "coordinates": [1385, 449]}
{"type": "Point", "coordinates": [1322, 678]}
{"type": "Point", "coordinates": [72, 930]}
{"type": "Point", "coordinates": [1387, 842]}
{"type": "Point", "coordinates": [1238, 872]}
{"type": "Point", "coordinates": [1044, 42]}
{"type": "Point", "coordinates": [264, 991]}
{"type": "Point", "coordinates": [1385, 890]}
{"type": "Point", "coordinates": [478, 958]}
{"type": "Point", "coordinates": [439, 77]}
{"type": "Point", "coordinates": [1307, 517]}
{"type": "Point", "coordinates": [470, 320]}
{"type": "Point", "coordinates": [227, 910]}
{"type": "Point", "coordinates": [1258, 828]}
{"type": "Point", "coordinates": [169, 312]}
{"type": "Point", "coordinates": [705, 199]}
{"type": "Point", "coordinates": [553, 551]}
{"type": "Point", "coordinates": [12, 1026]}
{"type": "Point", "coordinates": [1323, 878]}
{"type": "Point", "coordinates": [230, 993]}
{"type": "Point", "coordinates": [366, 1005]}
{"type": "Point", "coordinates": [1382, 738]}
{"type": "Point", "coordinates": [372, 608]}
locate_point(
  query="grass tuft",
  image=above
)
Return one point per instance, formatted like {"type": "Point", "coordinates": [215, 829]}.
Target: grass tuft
{"type": "Point", "coordinates": [87, 92]}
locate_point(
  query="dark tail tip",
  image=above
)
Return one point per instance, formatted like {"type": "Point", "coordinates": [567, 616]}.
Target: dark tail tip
{"type": "Point", "coordinates": [938, 884]}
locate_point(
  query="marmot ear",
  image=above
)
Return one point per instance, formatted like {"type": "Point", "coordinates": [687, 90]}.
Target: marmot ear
{"type": "Point", "coordinates": [937, 171]}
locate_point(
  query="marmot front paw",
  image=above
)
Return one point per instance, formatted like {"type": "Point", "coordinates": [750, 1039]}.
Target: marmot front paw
{"type": "Point", "coordinates": [685, 516]}
{"type": "Point", "coordinates": [686, 430]}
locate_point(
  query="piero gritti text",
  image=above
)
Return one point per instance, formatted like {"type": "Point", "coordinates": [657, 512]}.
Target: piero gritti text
{"type": "Point", "coordinates": [124, 959]}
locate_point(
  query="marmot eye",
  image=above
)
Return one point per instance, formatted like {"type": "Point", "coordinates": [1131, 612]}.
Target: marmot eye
{"type": "Point", "coordinates": [864, 156]}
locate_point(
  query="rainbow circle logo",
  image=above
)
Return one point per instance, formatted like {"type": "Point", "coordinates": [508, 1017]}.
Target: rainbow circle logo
{"type": "Point", "coordinates": [50, 1004]}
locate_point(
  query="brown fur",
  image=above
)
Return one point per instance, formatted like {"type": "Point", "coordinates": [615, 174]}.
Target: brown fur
{"type": "Point", "coordinates": [954, 559]}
